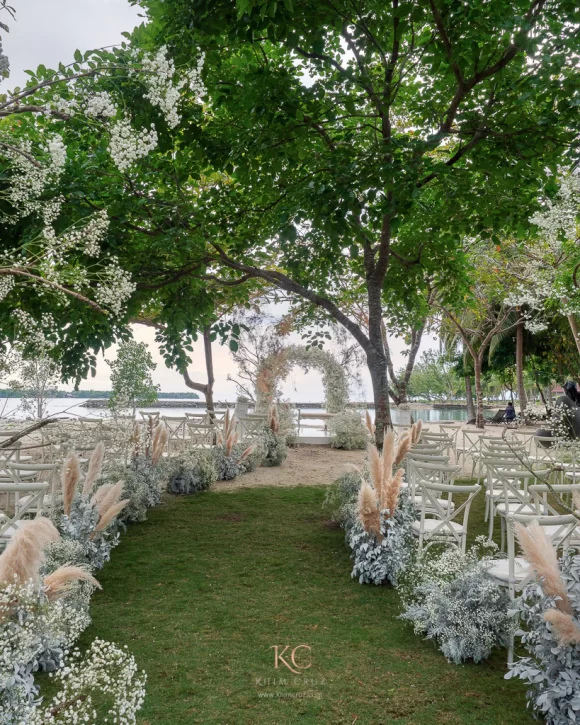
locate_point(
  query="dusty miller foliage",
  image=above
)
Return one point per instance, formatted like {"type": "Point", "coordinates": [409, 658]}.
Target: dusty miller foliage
{"type": "Point", "coordinates": [450, 598]}
{"type": "Point", "coordinates": [143, 484]}
{"type": "Point", "coordinates": [552, 670]}
{"type": "Point", "coordinates": [348, 431]}
{"type": "Point", "coordinates": [385, 561]}
{"type": "Point", "coordinates": [195, 471]}
{"type": "Point", "coordinates": [79, 526]}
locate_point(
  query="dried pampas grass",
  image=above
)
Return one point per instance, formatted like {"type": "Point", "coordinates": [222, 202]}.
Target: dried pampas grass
{"type": "Point", "coordinates": [416, 431]}
{"type": "Point", "coordinates": [109, 516]}
{"type": "Point", "coordinates": [369, 423]}
{"type": "Point", "coordinates": [273, 419]}
{"type": "Point", "coordinates": [403, 448]}
{"type": "Point", "coordinates": [246, 453]}
{"type": "Point", "coordinates": [60, 582]}
{"type": "Point", "coordinates": [110, 498]}
{"type": "Point", "coordinates": [23, 556]}
{"type": "Point", "coordinates": [160, 438]}
{"type": "Point", "coordinates": [543, 558]}
{"type": "Point", "coordinates": [100, 493]}
{"type": "Point", "coordinates": [564, 626]}
{"type": "Point", "coordinates": [71, 475]}
{"type": "Point", "coordinates": [388, 455]}
{"type": "Point", "coordinates": [94, 469]}
{"type": "Point", "coordinates": [394, 488]}
{"type": "Point", "coordinates": [368, 510]}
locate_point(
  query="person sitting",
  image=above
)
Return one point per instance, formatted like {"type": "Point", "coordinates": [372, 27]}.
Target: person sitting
{"type": "Point", "coordinates": [510, 413]}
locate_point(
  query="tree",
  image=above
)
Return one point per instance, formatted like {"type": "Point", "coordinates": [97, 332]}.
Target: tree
{"type": "Point", "coordinates": [38, 378]}
{"type": "Point", "coordinates": [416, 123]}
{"type": "Point", "coordinates": [131, 381]}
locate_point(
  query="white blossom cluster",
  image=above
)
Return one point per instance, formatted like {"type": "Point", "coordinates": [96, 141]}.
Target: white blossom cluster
{"type": "Point", "coordinates": [114, 288]}
{"type": "Point", "coordinates": [127, 145]}
{"type": "Point", "coordinates": [101, 105]}
{"type": "Point", "coordinates": [6, 285]}
{"type": "Point", "coordinates": [29, 180]}
{"type": "Point", "coordinates": [106, 672]}
{"type": "Point", "coordinates": [31, 332]}
{"type": "Point", "coordinates": [159, 74]}
{"type": "Point", "coordinates": [87, 237]}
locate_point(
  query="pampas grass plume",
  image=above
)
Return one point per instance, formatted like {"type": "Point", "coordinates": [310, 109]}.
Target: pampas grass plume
{"type": "Point", "coordinates": [564, 626]}
{"type": "Point", "coordinates": [388, 456]}
{"type": "Point", "coordinates": [23, 556]}
{"type": "Point", "coordinates": [393, 490]}
{"type": "Point", "coordinates": [160, 438]}
{"type": "Point", "coordinates": [110, 498]}
{"type": "Point", "coordinates": [100, 493]}
{"type": "Point", "coordinates": [368, 511]}
{"type": "Point", "coordinates": [58, 583]}
{"type": "Point", "coordinates": [542, 557]}
{"type": "Point", "coordinates": [109, 516]}
{"type": "Point", "coordinates": [94, 469]}
{"type": "Point", "coordinates": [246, 453]}
{"type": "Point", "coordinates": [369, 423]}
{"type": "Point", "coordinates": [375, 469]}
{"type": "Point", "coordinates": [71, 475]}
{"type": "Point", "coordinates": [403, 448]}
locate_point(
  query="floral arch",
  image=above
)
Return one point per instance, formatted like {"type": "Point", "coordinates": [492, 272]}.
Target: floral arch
{"type": "Point", "coordinates": [276, 368]}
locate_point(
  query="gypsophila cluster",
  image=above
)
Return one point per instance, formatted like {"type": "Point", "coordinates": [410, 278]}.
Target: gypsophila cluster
{"type": "Point", "coordinates": [451, 599]}
{"type": "Point", "coordinates": [104, 685]}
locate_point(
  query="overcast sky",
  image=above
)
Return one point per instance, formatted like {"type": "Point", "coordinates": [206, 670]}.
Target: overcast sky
{"type": "Point", "coordinates": [48, 32]}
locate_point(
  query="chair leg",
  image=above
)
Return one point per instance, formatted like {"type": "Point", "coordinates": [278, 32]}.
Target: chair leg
{"type": "Point", "coordinates": [491, 517]}
{"type": "Point", "coordinates": [502, 522]}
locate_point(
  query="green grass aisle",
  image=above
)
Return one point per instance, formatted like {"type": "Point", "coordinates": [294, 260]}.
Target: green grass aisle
{"type": "Point", "coordinates": [203, 590]}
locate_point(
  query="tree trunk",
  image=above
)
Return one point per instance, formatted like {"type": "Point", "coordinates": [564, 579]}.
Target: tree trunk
{"type": "Point", "coordinates": [469, 398]}
{"type": "Point", "coordinates": [574, 328]}
{"type": "Point", "coordinates": [380, 383]}
{"type": "Point", "coordinates": [205, 388]}
{"type": "Point", "coordinates": [479, 421]}
{"type": "Point", "coordinates": [520, 363]}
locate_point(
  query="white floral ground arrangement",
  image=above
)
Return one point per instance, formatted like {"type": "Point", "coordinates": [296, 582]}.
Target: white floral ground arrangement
{"type": "Point", "coordinates": [47, 570]}
{"type": "Point", "coordinates": [450, 598]}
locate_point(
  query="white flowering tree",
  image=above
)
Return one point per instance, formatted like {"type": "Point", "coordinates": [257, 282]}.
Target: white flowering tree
{"type": "Point", "coordinates": [131, 382]}
{"type": "Point", "coordinates": [548, 282]}
{"type": "Point", "coordinates": [107, 111]}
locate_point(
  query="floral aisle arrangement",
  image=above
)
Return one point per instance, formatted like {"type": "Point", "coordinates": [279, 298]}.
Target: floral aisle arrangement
{"type": "Point", "coordinates": [89, 520]}
{"type": "Point", "coordinates": [227, 457]}
{"type": "Point", "coordinates": [273, 440]}
{"type": "Point", "coordinates": [195, 470]}
{"type": "Point", "coordinates": [381, 539]}
{"type": "Point", "coordinates": [448, 597]}
{"type": "Point", "coordinates": [341, 498]}
{"type": "Point", "coordinates": [41, 616]}
{"type": "Point", "coordinates": [549, 609]}
{"type": "Point", "coordinates": [146, 475]}
{"type": "Point", "coordinates": [348, 431]}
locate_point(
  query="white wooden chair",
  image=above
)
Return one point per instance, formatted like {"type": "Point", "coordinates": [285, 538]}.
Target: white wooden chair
{"type": "Point", "coordinates": [178, 434]}
{"type": "Point", "coordinates": [514, 572]}
{"type": "Point", "coordinates": [23, 473]}
{"type": "Point", "coordinates": [440, 524]}
{"type": "Point", "coordinates": [201, 435]}
{"type": "Point", "coordinates": [514, 497]}
{"type": "Point", "coordinates": [9, 524]}
{"type": "Point", "coordinates": [251, 427]}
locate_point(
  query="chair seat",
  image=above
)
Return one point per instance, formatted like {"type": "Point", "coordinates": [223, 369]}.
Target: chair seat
{"type": "Point", "coordinates": [429, 526]}
{"type": "Point", "coordinates": [46, 503]}
{"type": "Point", "coordinates": [515, 508]}
{"type": "Point", "coordinates": [443, 502]}
{"type": "Point", "coordinates": [499, 569]}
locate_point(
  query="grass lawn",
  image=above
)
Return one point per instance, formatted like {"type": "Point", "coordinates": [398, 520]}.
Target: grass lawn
{"type": "Point", "coordinates": [203, 590]}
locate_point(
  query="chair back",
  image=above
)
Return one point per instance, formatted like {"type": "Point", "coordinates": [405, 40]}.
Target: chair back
{"type": "Point", "coordinates": [446, 530]}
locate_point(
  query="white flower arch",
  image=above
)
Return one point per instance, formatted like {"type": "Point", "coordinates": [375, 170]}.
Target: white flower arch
{"type": "Point", "coordinates": [276, 368]}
